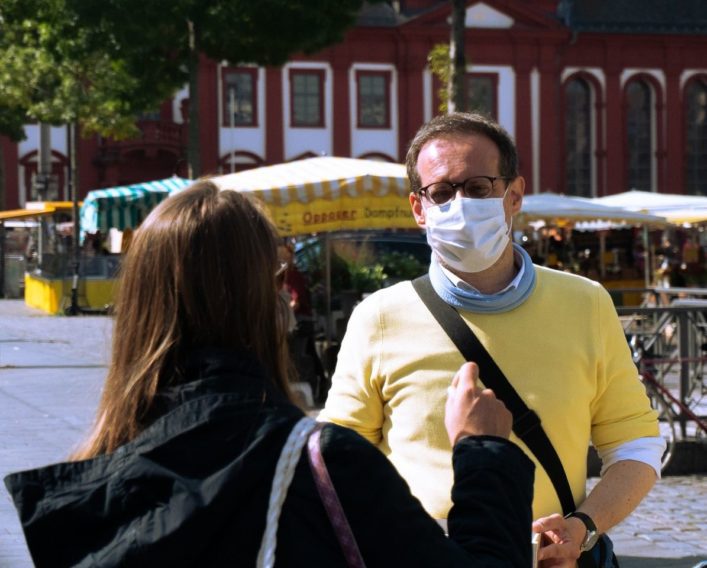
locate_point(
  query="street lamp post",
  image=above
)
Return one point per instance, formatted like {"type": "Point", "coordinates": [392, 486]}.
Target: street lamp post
{"type": "Point", "coordinates": [74, 309]}
{"type": "Point", "coordinates": [2, 259]}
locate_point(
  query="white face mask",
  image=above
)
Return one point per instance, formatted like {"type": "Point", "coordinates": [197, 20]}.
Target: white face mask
{"type": "Point", "coordinates": [468, 235]}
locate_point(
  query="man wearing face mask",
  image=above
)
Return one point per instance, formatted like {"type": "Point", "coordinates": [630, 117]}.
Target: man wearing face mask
{"type": "Point", "coordinates": [555, 336]}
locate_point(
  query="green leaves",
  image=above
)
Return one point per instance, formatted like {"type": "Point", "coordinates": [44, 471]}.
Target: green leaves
{"type": "Point", "coordinates": [439, 64]}
{"type": "Point", "coordinates": [12, 120]}
{"type": "Point", "coordinates": [61, 67]}
{"type": "Point", "coordinates": [103, 62]}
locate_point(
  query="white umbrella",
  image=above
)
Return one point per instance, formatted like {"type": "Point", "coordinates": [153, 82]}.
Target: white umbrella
{"type": "Point", "coordinates": [677, 209]}
{"type": "Point", "coordinates": [566, 210]}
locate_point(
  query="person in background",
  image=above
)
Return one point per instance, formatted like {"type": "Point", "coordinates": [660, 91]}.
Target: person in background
{"type": "Point", "coordinates": [297, 286]}
{"type": "Point", "coordinates": [304, 347]}
{"type": "Point", "coordinates": [285, 296]}
{"type": "Point", "coordinates": [556, 337]}
{"type": "Point", "coordinates": [195, 412]}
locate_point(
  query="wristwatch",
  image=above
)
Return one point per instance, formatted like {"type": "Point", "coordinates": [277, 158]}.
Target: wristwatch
{"type": "Point", "coordinates": [592, 535]}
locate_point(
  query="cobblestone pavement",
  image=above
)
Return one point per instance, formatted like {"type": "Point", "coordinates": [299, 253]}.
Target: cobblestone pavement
{"type": "Point", "coordinates": [667, 530]}
{"type": "Point", "coordinates": [51, 372]}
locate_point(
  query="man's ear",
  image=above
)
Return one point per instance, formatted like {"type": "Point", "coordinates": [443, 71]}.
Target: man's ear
{"type": "Point", "coordinates": [418, 211]}
{"type": "Point", "coordinates": [516, 190]}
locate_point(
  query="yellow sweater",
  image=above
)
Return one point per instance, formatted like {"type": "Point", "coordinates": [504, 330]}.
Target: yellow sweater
{"type": "Point", "coordinates": [563, 350]}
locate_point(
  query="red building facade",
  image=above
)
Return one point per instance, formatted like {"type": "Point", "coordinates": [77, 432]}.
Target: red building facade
{"type": "Point", "coordinates": [600, 99]}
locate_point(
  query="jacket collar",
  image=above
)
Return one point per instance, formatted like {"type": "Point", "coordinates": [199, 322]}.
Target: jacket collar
{"type": "Point", "coordinates": [212, 371]}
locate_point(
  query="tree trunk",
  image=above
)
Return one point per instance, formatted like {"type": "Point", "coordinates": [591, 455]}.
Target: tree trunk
{"type": "Point", "coordinates": [44, 171]}
{"type": "Point", "coordinates": [74, 175]}
{"type": "Point", "coordinates": [3, 186]}
{"type": "Point", "coordinates": [193, 145]}
{"type": "Point", "coordinates": [456, 101]}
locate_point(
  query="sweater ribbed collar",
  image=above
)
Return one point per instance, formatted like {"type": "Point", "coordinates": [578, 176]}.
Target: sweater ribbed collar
{"type": "Point", "coordinates": [472, 300]}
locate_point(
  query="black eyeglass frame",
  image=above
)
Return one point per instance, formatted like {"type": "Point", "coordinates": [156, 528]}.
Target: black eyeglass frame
{"type": "Point", "coordinates": [454, 186]}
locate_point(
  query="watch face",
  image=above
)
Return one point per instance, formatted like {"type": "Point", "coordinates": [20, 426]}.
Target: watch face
{"type": "Point", "coordinates": [590, 540]}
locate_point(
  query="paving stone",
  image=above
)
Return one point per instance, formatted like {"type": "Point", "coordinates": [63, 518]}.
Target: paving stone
{"type": "Point", "coordinates": [46, 410]}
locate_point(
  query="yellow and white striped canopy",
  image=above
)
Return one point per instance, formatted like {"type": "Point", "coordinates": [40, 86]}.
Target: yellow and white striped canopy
{"type": "Point", "coordinates": [328, 194]}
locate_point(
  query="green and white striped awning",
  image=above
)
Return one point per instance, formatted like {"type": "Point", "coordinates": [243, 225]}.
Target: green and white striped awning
{"type": "Point", "coordinates": [124, 207]}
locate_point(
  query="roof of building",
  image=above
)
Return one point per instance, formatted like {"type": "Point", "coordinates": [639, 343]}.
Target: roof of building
{"type": "Point", "coordinates": [635, 16]}
{"type": "Point", "coordinates": [379, 15]}
{"type": "Point", "coordinates": [603, 16]}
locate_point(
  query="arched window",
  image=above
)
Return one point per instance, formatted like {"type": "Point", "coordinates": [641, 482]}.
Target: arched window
{"type": "Point", "coordinates": [639, 103]}
{"type": "Point", "coordinates": [238, 161]}
{"type": "Point", "coordinates": [696, 137]}
{"type": "Point", "coordinates": [578, 138]}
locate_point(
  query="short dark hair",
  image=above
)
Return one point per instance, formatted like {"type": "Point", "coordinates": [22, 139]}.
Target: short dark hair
{"type": "Point", "coordinates": [460, 124]}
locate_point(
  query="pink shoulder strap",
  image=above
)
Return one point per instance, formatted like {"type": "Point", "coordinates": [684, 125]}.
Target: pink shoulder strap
{"type": "Point", "coordinates": [331, 502]}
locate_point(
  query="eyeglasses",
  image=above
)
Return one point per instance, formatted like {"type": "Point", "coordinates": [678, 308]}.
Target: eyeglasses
{"type": "Point", "coordinates": [476, 187]}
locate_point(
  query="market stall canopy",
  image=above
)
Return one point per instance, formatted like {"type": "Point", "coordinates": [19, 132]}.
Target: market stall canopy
{"type": "Point", "coordinates": [564, 210]}
{"type": "Point", "coordinates": [677, 209]}
{"type": "Point", "coordinates": [329, 194]}
{"type": "Point", "coordinates": [124, 207]}
{"type": "Point", "coordinates": [37, 209]}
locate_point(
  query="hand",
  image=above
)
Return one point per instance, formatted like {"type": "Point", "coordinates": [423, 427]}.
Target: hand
{"type": "Point", "coordinates": [559, 547]}
{"type": "Point", "coordinates": [474, 412]}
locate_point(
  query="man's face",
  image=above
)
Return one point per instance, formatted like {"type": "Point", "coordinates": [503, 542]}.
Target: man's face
{"type": "Point", "coordinates": [456, 158]}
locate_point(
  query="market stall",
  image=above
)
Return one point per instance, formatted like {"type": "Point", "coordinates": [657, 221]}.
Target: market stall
{"type": "Point", "coordinates": [325, 195]}
{"type": "Point", "coordinates": [560, 215]}
{"type": "Point", "coordinates": [677, 209]}
{"type": "Point", "coordinates": [29, 238]}
{"type": "Point", "coordinates": [126, 206]}
{"type": "Point", "coordinates": [680, 250]}
{"type": "Point", "coordinates": [329, 194]}
{"type": "Point", "coordinates": [48, 285]}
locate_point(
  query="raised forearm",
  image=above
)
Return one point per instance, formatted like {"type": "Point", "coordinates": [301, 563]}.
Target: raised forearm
{"type": "Point", "coordinates": [618, 493]}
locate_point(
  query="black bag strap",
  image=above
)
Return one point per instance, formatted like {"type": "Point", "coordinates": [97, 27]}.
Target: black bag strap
{"type": "Point", "coordinates": [526, 423]}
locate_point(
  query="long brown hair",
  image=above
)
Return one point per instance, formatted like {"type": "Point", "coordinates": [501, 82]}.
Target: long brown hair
{"type": "Point", "coordinates": [200, 272]}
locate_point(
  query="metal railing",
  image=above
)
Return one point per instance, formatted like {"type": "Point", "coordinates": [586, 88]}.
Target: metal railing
{"type": "Point", "coordinates": [90, 266]}
{"type": "Point", "coordinates": [668, 337]}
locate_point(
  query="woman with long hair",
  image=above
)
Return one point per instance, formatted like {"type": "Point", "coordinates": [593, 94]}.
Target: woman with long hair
{"type": "Point", "coordinates": [181, 466]}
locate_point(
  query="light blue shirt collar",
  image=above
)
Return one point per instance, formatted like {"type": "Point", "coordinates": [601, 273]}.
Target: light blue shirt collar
{"type": "Point", "coordinates": [459, 283]}
{"type": "Point", "coordinates": [469, 299]}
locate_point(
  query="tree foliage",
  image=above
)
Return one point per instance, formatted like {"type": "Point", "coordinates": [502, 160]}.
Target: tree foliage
{"type": "Point", "coordinates": [439, 63]}
{"type": "Point", "coordinates": [12, 120]}
{"type": "Point", "coordinates": [103, 62]}
{"type": "Point", "coordinates": [60, 70]}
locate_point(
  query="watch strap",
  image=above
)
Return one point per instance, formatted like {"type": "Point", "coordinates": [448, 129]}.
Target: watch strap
{"type": "Point", "coordinates": [586, 519]}
{"type": "Point", "coordinates": [591, 535]}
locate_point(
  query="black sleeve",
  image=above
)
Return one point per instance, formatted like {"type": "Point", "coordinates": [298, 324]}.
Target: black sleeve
{"type": "Point", "coordinates": [492, 496]}
{"type": "Point", "coordinates": [489, 523]}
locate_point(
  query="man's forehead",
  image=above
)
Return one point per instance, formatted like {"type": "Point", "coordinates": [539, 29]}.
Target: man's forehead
{"type": "Point", "coordinates": [476, 147]}
{"type": "Point", "coordinates": [474, 142]}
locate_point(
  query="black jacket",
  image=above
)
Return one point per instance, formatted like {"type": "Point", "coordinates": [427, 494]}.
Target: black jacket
{"type": "Point", "coordinates": [192, 490]}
